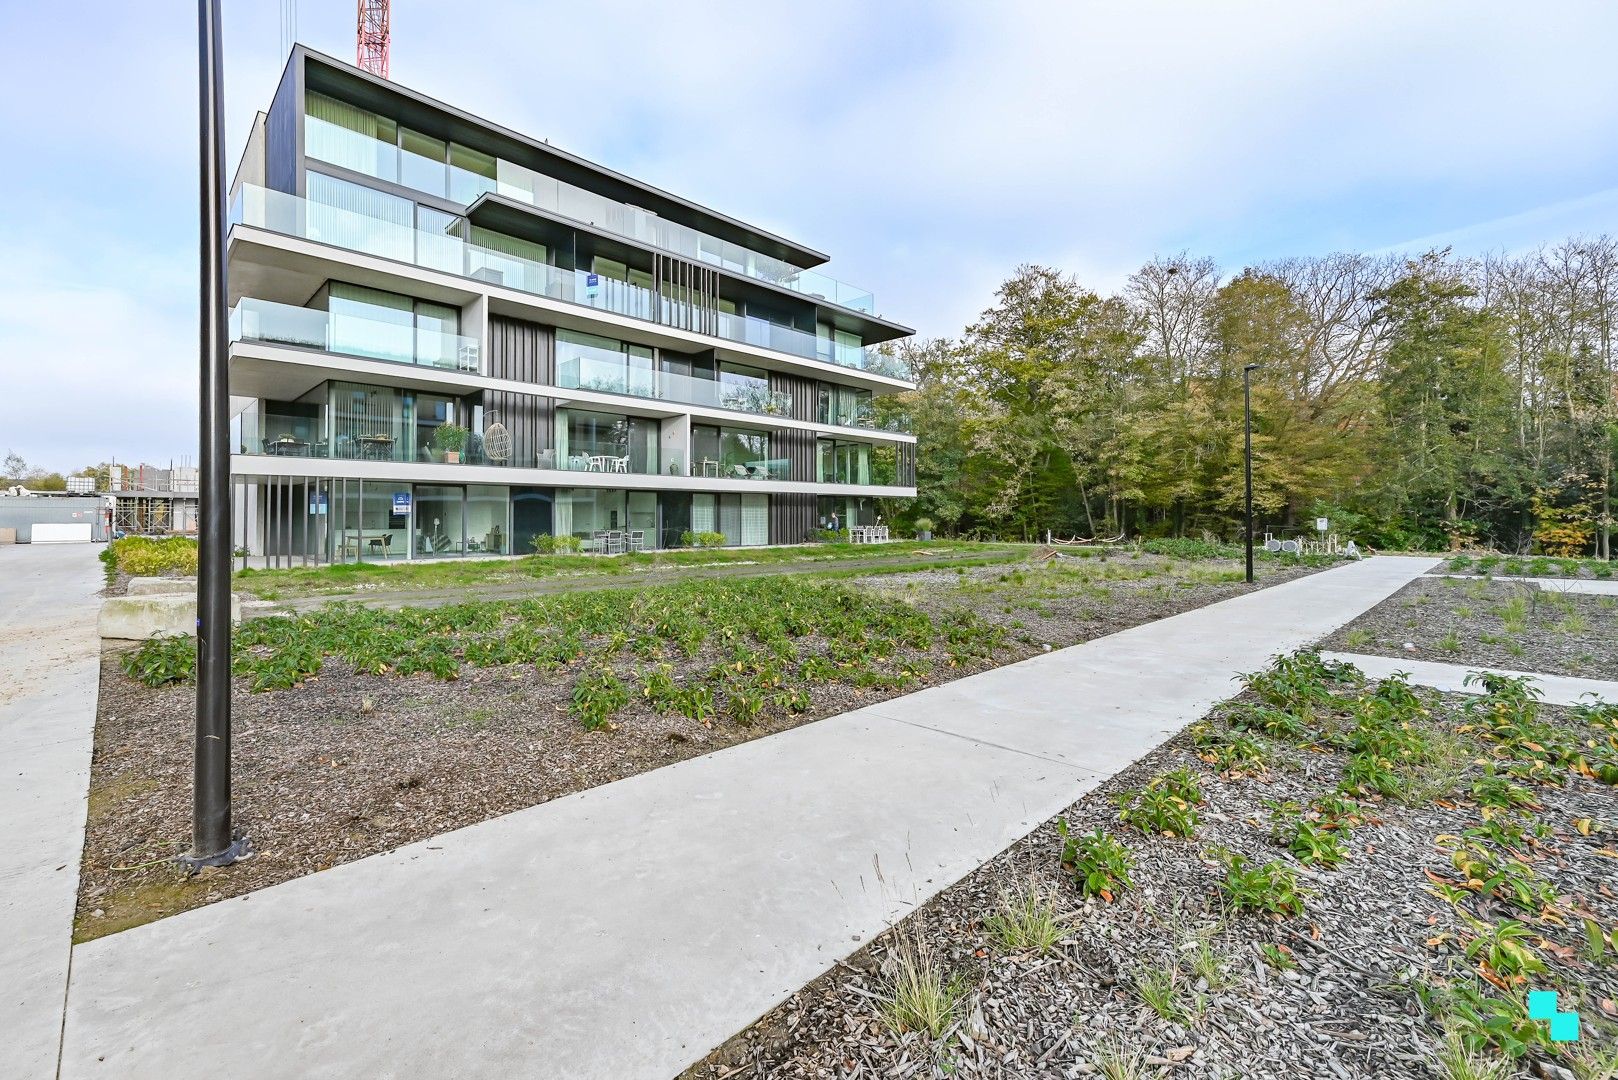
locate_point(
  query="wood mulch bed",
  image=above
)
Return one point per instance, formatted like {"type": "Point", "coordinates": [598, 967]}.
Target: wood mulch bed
{"type": "Point", "coordinates": [347, 765]}
{"type": "Point", "coordinates": [1460, 621]}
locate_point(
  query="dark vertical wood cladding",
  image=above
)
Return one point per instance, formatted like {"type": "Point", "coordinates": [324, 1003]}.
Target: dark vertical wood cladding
{"type": "Point", "coordinates": [520, 350]}
{"type": "Point", "coordinates": [907, 465]}
{"type": "Point", "coordinates": [524, 352]}
{"type": "Point", "coordinates": [283, 156]}
{"type": "Point", "coordinates": [804, 394]}
{"type": "Point", "coordinates": [792, 518]}
{"type": "Point", "coordinates": [798, 448]}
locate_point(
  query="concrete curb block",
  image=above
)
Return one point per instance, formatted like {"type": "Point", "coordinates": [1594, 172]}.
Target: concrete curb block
{"type": "Point", "coordinates": [137, 618]}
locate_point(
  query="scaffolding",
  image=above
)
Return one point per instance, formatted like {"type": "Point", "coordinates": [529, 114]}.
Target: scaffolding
{"type": "Point", "coordinates": [152, 501]}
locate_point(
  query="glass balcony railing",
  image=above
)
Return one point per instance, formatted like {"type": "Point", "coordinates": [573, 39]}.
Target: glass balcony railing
{"type": "Point", "coordinates": [338, 145]}
{"type": "Point", "coordinates": [609, 375]}
{"type": "Point", "coordinates": [352, 335]}
{"type": "Point", "coordinates": [280, 212]}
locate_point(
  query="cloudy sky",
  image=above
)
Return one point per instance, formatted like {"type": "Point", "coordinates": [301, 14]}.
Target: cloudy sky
{"type": "Point", "coordinates": [930, 147]}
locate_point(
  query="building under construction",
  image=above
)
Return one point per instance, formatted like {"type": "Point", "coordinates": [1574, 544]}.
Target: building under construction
{"type": "Point", "coordinates": [149, 501]}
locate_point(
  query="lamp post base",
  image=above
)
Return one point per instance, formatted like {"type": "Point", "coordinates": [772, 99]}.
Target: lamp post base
{"type": "Point", "coordinates": [240, 848]}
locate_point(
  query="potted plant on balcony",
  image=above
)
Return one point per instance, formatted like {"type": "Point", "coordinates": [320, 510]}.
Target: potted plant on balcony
{"type": "Point", "coordinates": [451, 439]}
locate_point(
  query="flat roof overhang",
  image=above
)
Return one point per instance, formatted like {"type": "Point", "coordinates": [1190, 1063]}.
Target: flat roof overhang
{"type": "Point", "coordinates": [504, 214]}
{"type": "Point", "coordinates": [328, 75]}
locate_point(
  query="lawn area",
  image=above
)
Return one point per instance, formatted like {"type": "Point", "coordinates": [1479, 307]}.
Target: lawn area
{"type": "Point", "coordinates": [359, 729]}
{"type": "Point", "coordinates": [1323, 878]}
{"type": "Point", "coordinates": [342, 578]}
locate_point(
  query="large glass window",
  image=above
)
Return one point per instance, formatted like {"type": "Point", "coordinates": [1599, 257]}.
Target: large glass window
{"type": "Point", "coordinates": [744, 388]}
{"type": "Point", "coordinates": [487, 530]}
{"type": "Point", "coordinates": [427, 413]}
{"type": "Point", "coordinates": [370, 520]}
{"type": "Point", "coordinates": [605, 442]}
{"type": "Point", "coordinates": [440, 530]}
{"type": "Point", "coordinates": [840, 462]}
{"type": "Point", "coordinates": [361, 218]}
{"type": "Point", "coordinates": [351, 137]}
{"type": "Point", "coordinates": [471, 173]}
{"type": "Point", "coordinates": [845, 406]}
{"type": "Point", "coordinates": [370, 322]}
{"type": "Point", "coordinates": [422, 162]}
{"type": "Point", "coordinates": [388, 326]}
{"type": "Point", "coordinates": [589, 362]}
{"type": "Point", "coordinates": [368, 422]}
{"type": "Point", "coordinates": [733, 452]}
{"type": "Point", "coordinates": [743, 519]}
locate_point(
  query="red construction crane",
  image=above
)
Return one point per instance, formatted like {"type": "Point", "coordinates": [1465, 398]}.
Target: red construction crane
{"type": "Point", "coordinates": [372, 53]}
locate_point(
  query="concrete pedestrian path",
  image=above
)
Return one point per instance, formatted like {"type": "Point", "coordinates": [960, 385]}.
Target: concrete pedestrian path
{"type": "Point", "coordinates": [625, 931]}
{"type": "Point", "coordinates": [49, 664]}
{"type": "Point", "coordinates": [1451, 678]}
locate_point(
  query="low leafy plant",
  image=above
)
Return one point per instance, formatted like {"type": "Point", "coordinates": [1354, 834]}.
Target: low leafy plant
{"type": "Point", "coordinates": [565, 544]}
{"type": "Point", "coordinates": [597, 694]}
{"type": "Point", "coordinates": [1277, 956]}
{"type": "Point", "coordinates": [162, 660]}
{"type": "Point", "coordinates": [1510, 879]}
{"type": "Point", "coordinates": [1156, 809]}
{"type": "Point", "coordinates": [1100, 864]}
{"type": "Point", "coordinates": [1271, 886]}
{"type": "Point", "coordinates": [1482, 1022]}
{"type": "Point", "coordinates": [1503, 950]}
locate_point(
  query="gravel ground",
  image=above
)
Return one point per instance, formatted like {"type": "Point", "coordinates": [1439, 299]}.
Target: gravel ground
{"type": "Point", "coordinates": [1345, 1007]}
{"type": "Point", "coordinates": [1499, 623]}
{"type": "Point", "coordinates": [347, 765]}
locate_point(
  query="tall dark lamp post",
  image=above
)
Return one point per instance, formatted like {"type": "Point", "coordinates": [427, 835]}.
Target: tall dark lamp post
{"type": "Point", "coordinates": [212, 841]}
{"type": "Point", "coordinates": [1247, 456]}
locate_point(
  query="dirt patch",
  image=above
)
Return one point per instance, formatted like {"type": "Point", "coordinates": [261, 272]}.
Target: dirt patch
{"type": "Point", "coordinates": [346, 765]}
{"type": "Point", "coordinates": [1481, 621]}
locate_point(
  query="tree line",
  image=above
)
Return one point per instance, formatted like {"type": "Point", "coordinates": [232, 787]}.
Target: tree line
{"type": "Point", "coordinates": [1420, 403]}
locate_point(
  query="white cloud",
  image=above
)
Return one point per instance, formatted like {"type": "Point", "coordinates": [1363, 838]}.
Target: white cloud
{"type": "Point", "coordinates": [930, 147]}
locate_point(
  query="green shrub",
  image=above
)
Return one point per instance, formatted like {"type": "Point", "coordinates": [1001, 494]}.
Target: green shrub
{"type": "Point", "coordinates": [1185, 547]}
{"type": "Point", "coordinates": [565, 544]}
{"type": "Point", "coordinates": [1271, 887]}
{"type": "Point", "coordinates": [1165, 805]}
{"type": "Point", "coordinates": [710, 540]}
{"type": "Point", "coordinates": [162, 660]}
{"type": "Point", "coordinates": [146, 556]}
{"type": "Point", "coordinates": [1099, 863]}
{"type": "Point", "coordinates": [597, 694]}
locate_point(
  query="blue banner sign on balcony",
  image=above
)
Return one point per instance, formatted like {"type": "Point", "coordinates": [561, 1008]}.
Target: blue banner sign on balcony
{"type": "Point", "coordinates": [401, 503]}
{"type": "Point", "coordinates": [592, 285]}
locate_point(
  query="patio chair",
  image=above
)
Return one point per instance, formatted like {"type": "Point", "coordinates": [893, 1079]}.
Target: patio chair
{"type": "Point", "coordinates": [637, 540]}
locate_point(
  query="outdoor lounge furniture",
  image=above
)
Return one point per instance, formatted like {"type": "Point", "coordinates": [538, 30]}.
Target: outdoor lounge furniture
{"type": "Point", "coordinates": [867, 534]}
{"type": "Point", "coordinates": [375, 447]}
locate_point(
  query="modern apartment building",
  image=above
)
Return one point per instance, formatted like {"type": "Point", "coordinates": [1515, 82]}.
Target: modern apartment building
{"type": "Point", "coordinates": [449, 338]}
